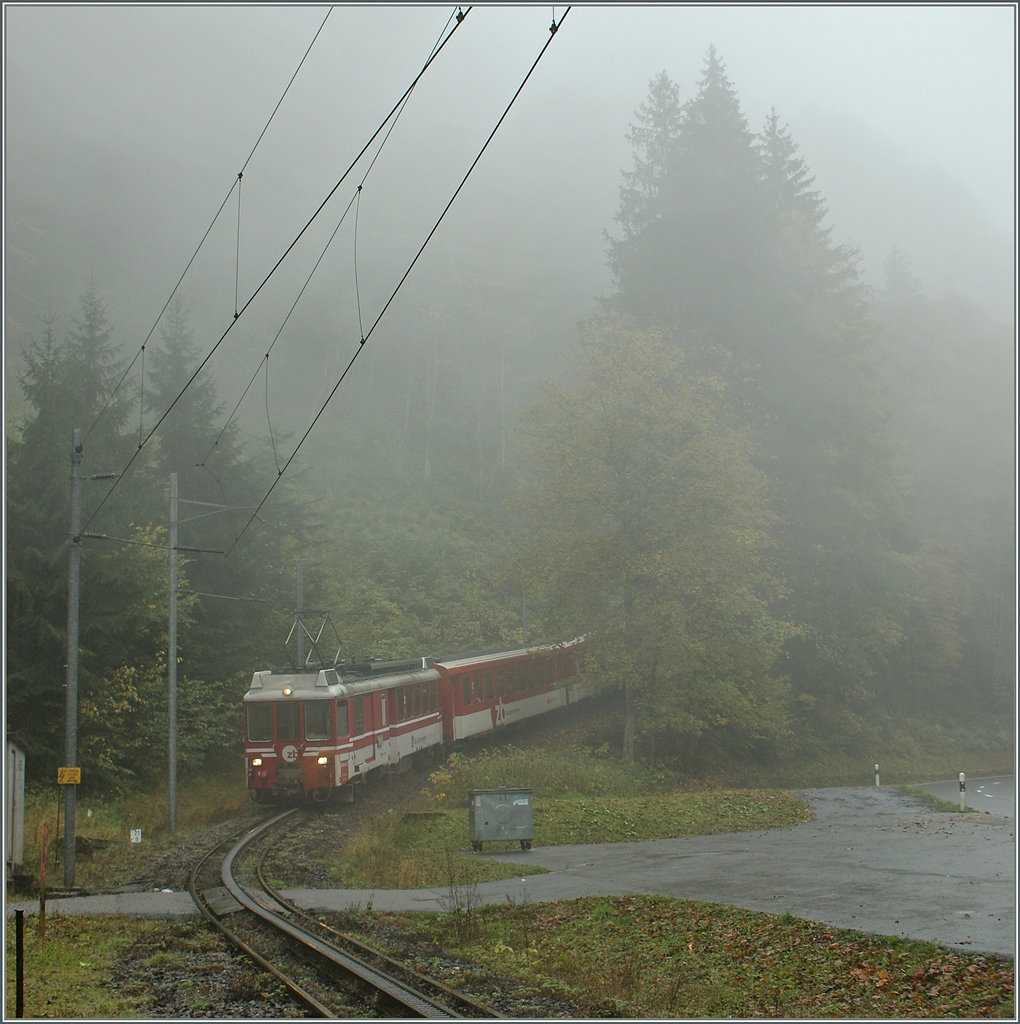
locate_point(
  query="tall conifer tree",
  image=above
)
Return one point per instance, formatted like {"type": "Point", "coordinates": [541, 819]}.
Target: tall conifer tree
{"type": "Point", "coordinates": [723, 236]}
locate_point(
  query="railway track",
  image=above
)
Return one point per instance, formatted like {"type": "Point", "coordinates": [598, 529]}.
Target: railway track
{"type": "Point", "coordinates": [327, 972]}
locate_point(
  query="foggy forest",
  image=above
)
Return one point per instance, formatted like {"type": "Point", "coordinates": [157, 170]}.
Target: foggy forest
{"type": "Point", "coordinates": [719, 378]}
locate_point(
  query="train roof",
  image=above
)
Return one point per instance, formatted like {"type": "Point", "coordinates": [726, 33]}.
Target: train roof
{"type": "Point", "coordinates": [367, 676]}
{"type": "Point", "coordinates": [328, 683]}
{"type": "Point", "coordinates": [501, 653]}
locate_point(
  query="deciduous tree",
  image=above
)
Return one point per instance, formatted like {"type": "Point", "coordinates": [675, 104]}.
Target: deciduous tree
{"type": "Point", "coordinates": [651, 530]}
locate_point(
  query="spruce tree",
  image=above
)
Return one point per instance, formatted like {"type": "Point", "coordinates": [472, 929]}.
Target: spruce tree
{"type": "Point", "coordinates": [723, 240]}
{"type": "Point", "coordinates": [68, 383]}
{"type": "Point", "coordinates": [189, 439]}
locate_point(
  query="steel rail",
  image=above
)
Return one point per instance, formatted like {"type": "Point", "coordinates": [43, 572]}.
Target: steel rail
{"type": "Point", "coordinates": [403, 995]}
{"type": "Point", "coordinates": [305, 998]}
{"type": "Point", "coordinates": [365, 950]}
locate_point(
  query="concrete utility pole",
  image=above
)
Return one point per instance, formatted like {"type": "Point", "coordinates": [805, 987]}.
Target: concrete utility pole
{"type": "Point", "coordinates": [172, 657]}
{"type": "Point", "coordinates": [524, 611]}
{"type": "Point", "coordinates": [73, 605]}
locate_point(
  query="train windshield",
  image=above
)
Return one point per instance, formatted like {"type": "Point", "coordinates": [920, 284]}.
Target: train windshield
{"type": "Point", "coordinates": [317, 723]}
{"type": "Point", "coordinates": [287, 722]}
{"type": "Point", "coordinates": [260, 723]}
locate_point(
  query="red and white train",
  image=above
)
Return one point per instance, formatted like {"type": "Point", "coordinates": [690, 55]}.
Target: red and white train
{"type": "Point", "coordinates": [317, 734]}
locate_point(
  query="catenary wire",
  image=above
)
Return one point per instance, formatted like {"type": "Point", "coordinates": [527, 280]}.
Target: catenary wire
{"type": "Point", "coordinates": [263, 363]}
{"type": "Point", "coordinates": [276, 266]}
{"type": "Point", "coordinates": [552, 32]}
{"type": "Point", "coordinates": [194, 255]}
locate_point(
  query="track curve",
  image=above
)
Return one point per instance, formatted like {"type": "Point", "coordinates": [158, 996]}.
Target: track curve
{"type": "Point", "coordinates": [388, 982]}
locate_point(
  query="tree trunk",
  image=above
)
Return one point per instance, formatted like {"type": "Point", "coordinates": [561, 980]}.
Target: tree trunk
{"type": "Point", "coordinates": [433, 374]}
{"type": "Point", "coordinates": [628, 726]}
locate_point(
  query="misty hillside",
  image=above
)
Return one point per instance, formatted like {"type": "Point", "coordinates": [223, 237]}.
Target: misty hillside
{"type": "Point", "coordinates": [744, 419]}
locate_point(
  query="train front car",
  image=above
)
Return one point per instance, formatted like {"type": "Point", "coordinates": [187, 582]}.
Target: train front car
{"type": "Point", "coordinates": [494, 688]}
{"type": "Point", "coordinates": [318, 734]}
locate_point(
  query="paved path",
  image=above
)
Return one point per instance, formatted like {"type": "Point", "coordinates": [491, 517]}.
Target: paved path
{"type": "Point", "coordinates": [872, 859]}
{"type": "Point", "coordinates": [996, 794]}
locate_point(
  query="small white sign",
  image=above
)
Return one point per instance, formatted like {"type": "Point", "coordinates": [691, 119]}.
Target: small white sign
{"type": "Point", "coordinates": [136, 835]}
{"type": "Point", "coordinates": [520, 801]}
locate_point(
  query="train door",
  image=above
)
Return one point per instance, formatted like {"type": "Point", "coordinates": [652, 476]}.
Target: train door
{"type": "Point", "coordinates": [382, 736]}
{"type": "Point", "coordinates": [500, 709]}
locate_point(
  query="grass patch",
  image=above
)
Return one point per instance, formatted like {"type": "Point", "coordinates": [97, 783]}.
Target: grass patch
{"type": "Point", "coordinates": [579, 798]}
{"type": "Point", "coordinates": [909, 751]}
{"type": "Point", "coordinates": [620, 819]}
{"type": "Point", "coordinates": [65, 971]}
{"type": "Point", "coordinates": [200, 802]}
{"type": "Point", "coordinates": [937, 802]}
{"type": "Point", "coordinates": [650, 956]}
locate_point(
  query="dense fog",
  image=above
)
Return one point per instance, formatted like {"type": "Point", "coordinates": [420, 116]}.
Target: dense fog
{"type": "Point", "coordinates": [421, 496]}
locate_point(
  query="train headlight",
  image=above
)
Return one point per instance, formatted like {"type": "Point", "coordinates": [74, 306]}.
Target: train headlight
{"type": "Point", "coordinates": [287, 691]}
{"type": "Point", "coordinates": [323, 760]}
{"type": "Point", "coordinates": [256, 761]}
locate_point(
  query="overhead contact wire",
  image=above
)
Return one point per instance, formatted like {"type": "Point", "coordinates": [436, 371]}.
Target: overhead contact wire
{"type": "Point", "coordinates": [265, 358]}
{"type": "Point", "coordinates": [212, 223]}
{"type": "Point", "coordinates": [285, 91]}
{"type": "Point", "coordinates": [357, 195]}
{"type": "Point", "coordinates": [357, 289]}
{"type": "Point", "coordinates": [276, 266]}
{"type": "Point", "coordinates": [237, 250]}
{"type": "Point", "coordinates": [552, 32]}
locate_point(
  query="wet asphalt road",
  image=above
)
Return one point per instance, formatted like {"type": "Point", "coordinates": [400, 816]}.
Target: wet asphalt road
{"type": "Point", "coordinates": [875, 860]}
{"type": "Point", "coordinates": [872, 859]}
{"type": "Point", "coordinates": [996, 794]}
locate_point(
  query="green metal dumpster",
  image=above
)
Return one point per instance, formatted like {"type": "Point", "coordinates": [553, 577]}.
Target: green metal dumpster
{"type": "Point", "coordinates": [500, 814]}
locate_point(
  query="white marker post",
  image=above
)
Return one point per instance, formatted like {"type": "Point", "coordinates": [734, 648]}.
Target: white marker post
{"type": "Point", "coordinates": [876, 777]}
{"type": "Point", "coordinates": [963, 792]}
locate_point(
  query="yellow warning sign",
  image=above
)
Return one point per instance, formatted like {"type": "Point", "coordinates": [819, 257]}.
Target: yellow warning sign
{"type": "Point", "coordinates": [68, 776]}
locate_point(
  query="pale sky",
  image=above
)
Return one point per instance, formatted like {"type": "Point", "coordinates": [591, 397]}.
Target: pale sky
{"type": "Point", "coordinates": [125, 125]}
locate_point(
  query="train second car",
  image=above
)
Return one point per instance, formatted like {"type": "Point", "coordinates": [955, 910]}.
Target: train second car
{"type": "Point", "coordinates": [317, 734]}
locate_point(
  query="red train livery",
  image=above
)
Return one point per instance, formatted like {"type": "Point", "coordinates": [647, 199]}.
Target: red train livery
{"type": "Point", "coordinates": [317, 734]}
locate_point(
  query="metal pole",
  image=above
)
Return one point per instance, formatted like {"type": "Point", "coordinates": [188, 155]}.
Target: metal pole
{"type": "Point", "coordinates": [963, 791]}
{"type": "Point", "coordinates": [71, 713]}
{"type": "Point", "coordinates": [300, 623]}
{"type": "Point", "coordinates": [19, 964]}
{"type": "Point", "coordinates": [42, 879]}
{"type": "Point", "coordinates": [172, 657]}
{"type": "Point", "coordinates": [876, 777]}
{"type": "Point", "coordinates": [524, 611]}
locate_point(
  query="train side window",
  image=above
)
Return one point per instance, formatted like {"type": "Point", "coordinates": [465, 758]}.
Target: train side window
{"type": "Point", "coordinates": [260, 723]}
{"type": "Point", "coordinates": [416, 707]}
{"type": "Point", "coordinates": [489, 691]}
{"type": "Point", "coordinates": [432, 696]}
{"type": "Point", "coordinates": [287, 722]}
{"type": "Point", "coordinates": [467, 689]}
{"type": "Point", "coordinates": [359, 716]}
{"type": "Point", "coordinates": [478, 688]}
{"type": "Point", "coordinates": [500, 687]}
{"type": "Point", "coordinates": [341, 718]}
{"type": "Point", "coordinates": [317, 723]}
